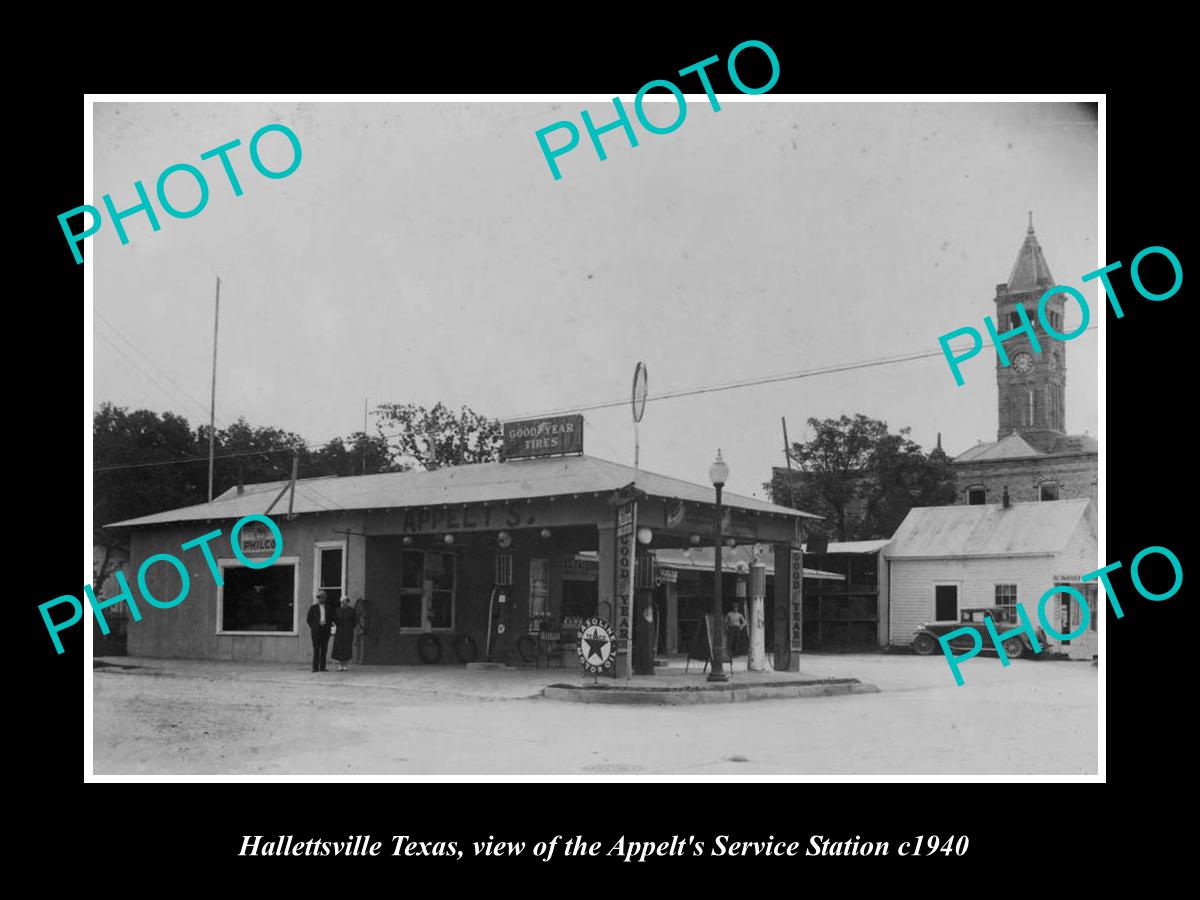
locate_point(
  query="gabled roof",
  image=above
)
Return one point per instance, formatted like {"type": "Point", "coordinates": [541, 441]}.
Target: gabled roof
{"type": "Point", "coordinates": [493, 482]}
{"type": "Point", "coordinates": [938, 532]}
{"type": "Point", "coordinates": [1030, 272]}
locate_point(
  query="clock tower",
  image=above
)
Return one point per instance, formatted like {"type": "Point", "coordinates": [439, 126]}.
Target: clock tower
{"type": "Point", "coordinates": [1032, 387]}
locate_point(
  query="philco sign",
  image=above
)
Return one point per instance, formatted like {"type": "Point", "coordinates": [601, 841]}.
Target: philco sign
{"type": "Point", "coordinates": [543, 437]}
{"type": "Point", "coordinates": [255, 538]}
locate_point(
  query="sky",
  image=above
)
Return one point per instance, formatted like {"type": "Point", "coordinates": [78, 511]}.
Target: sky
{"type": "Point", "coordinates": [423, 252]}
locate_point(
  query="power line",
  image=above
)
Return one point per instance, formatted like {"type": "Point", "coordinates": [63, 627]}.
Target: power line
{"type": "Point", "coordinates": [187, 459]}
{"type": "Point", "coordinates": [332, 504]}
{"type": "Point", "coordinates": [154, 381]}
{"type": "Point", "coordinates": [669, 395]}
{"type": "Point", "coordinates": [753, 382]}
{"type": "Point", "coordinates": [148, 359]}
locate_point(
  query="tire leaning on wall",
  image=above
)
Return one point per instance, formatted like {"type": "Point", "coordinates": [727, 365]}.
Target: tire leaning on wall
{"type": "Point", "coordinates": [429, 648]}
{"type": "Point", "coordinates": [465, 648]}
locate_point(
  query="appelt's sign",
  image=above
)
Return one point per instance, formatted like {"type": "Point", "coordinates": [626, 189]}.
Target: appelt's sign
{"type": "Point", "coordinates": [543, 437]}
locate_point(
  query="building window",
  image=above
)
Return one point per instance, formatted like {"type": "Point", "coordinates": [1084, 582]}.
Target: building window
{"type": "Point", "coordinates": [1006, 595]}
{"type": "Point", "coordinates": [330, 572]}
{"type": "Point", "coordinates": [1014, 320]}
{"type": "Point", "coordinates": [1048, 490]}
{"type": "Point", "coordinates": [1030, 420]}
{"type": "Point", "coordinates": [976, 496]}
{"type": "Point", "coordinates": [427, 586]}
{"type": "Point", "coordinates": [258, 601]}
{"type": "Point", "coordinates": [945, 602]}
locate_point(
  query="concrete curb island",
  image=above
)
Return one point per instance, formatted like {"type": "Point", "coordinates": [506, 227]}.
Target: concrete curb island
{"type": "Point", "coordinates": [727, 692]}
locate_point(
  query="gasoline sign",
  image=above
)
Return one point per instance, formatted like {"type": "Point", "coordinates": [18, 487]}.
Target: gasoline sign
{"type": "Point", "coordinates": [596, 646]}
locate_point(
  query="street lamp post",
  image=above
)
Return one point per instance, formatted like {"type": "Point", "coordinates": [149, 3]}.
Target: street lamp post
{"type": "Point", "coordinates": [718, 473]}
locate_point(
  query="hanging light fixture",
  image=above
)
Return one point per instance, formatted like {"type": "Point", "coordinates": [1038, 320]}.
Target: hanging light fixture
{"type": "Point", "coordinates": [645, 535]}
{"type": "Point", "coordinates": [449, 539]}
{"type": "Point", "coordinates": [407, 540]}
{"type": "Point", "coordinates": [545, 533]}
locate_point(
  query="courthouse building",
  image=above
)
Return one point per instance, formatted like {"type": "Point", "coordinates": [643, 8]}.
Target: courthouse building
{"type": "Point", "coordinates": [482, 552]}
{"type": "Point", "coordinates": [1033, 456]}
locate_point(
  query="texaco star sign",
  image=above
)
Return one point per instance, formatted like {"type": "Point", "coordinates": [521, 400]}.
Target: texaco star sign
{"type": "Point", "coordinates": [596, 646]}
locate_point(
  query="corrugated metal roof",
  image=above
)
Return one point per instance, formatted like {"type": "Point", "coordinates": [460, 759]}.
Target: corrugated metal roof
{"type": "Point", "coordinates": [483, 482]}
{"type": "Point", "coordinates": [701, 559]}
{"type": "Point", "coordinates": [987, 529]}
{"type": "Point", "coordinates": [856, 546]}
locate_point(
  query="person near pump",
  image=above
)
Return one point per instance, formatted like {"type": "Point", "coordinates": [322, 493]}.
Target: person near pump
{"type": "Point", "coordinates": [319, 623]}
{"type": "Point", "coordinates": [735, 628]}
{"type": "Point", "coordinates": [343, 638]}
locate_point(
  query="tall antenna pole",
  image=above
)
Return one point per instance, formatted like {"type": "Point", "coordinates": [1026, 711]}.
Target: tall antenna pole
{"type": "Point", "coordinates": [364, 441]}
{"type": "Point", "coordinates": [787, 454]}
{"type": "Point", "coordinates": [212, 407]}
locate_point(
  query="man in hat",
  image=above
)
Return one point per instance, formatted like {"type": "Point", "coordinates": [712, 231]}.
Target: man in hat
{"type": "Point", "coordinates": [319, 622]}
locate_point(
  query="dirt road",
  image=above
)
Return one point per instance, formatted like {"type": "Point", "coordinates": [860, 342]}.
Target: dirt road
{"type": "Point", "coordinates": [196, 718]}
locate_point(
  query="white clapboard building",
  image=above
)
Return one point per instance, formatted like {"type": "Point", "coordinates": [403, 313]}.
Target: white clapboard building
{"type": "Point", "coordinates": [944, 559]}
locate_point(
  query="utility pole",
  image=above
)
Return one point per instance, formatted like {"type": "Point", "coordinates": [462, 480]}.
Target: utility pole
{"type": "Point", "coordinates": [212, 406]}
{"type": "Point", "coordinates": [292, 483]}
{"type": "Point", "coordinates": [787, 455]}
{"type": "Point", "coordinates": [364, 438]}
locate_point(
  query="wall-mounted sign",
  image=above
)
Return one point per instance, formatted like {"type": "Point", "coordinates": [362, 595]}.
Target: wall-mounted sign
{"type": "Point", "coordinates": [256, 539]}
{"type": "Point", "coordinates": [596, 646]}
{"type": "Point", "coordinates": [577, 569]}
{"type": "Point", "coordinates": [543, 437]}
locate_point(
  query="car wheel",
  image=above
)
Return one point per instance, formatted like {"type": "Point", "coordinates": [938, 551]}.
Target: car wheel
{"type": "Point", "coordinates": [1014, 648]}
{"type": "Point", "coordinates": [924, 645]}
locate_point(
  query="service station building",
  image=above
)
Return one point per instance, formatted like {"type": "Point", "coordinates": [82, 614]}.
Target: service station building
{"type": "Point", "coordinates": [490, 551]}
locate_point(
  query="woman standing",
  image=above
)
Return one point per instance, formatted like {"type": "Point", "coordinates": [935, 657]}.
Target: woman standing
{"type": "Point", "coordinates": [343, 638]}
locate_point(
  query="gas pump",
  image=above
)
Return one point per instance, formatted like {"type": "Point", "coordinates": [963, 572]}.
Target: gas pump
{"type": "Point", "coordinates": [500, 609]}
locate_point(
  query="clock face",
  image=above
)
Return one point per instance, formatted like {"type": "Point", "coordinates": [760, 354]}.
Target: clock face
{"type": "Point", "coordinates": [1022, 362]}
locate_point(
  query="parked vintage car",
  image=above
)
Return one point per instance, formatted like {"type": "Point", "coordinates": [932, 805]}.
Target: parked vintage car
{"type": "Point", "coordinates": [925, 641]}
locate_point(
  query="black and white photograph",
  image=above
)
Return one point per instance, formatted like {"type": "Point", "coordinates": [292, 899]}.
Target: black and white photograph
{"type": "Point", "coordinates": [504, 437]}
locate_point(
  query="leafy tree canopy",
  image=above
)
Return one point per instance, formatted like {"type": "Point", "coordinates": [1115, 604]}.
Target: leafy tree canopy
{"type": "Point", "coordinates": [863, 478]}
{"type": "Point", "coordinates": [145, 462]}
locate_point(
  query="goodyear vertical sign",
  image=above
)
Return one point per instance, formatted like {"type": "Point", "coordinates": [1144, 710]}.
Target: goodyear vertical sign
{"type": "Point", "coordinates": [795, 600]}
{"type": "Point", "coordinates": [626, 525]}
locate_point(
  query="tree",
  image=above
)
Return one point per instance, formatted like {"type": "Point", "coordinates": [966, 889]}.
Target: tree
{"type": "Point", "coordinates": [145, 463]}
{"type": "Point", "coordinates": [861, 477]}
{"type": "Point", "coordinates": [124, 487]}
{"type": "Point", "coordinates": [436, 437]}
{"type": "Point", "coordinates": [363, 455]}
